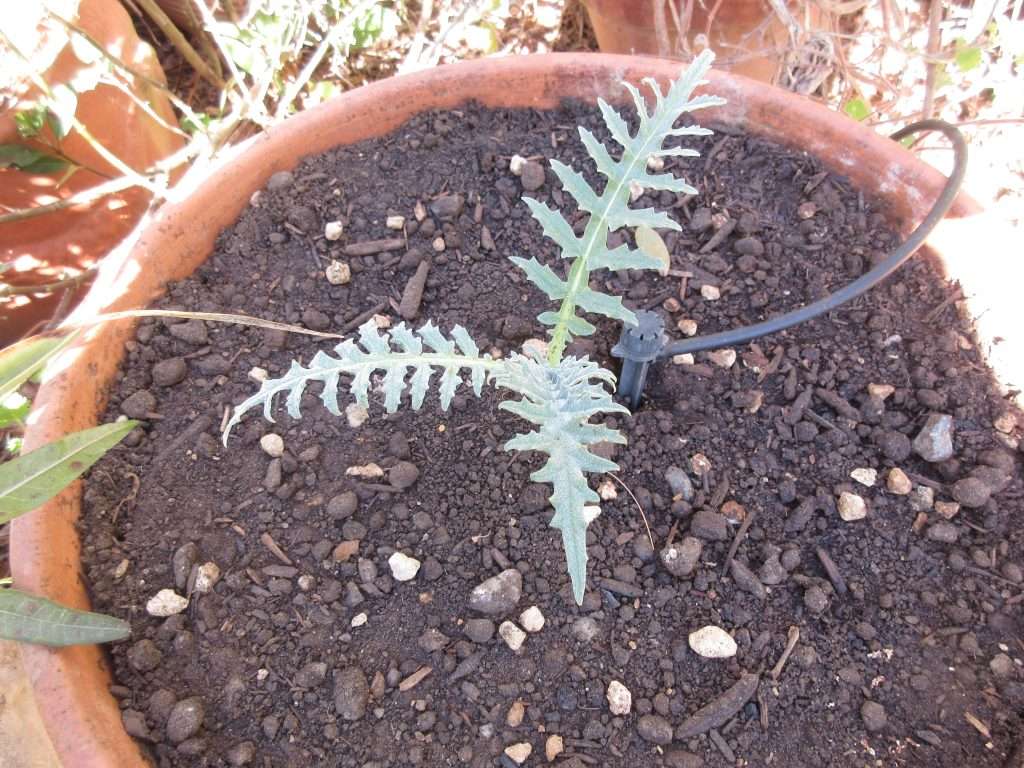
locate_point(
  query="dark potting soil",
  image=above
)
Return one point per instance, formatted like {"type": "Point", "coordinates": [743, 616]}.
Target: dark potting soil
{"type": "Point", "coordinates": [308, 652]}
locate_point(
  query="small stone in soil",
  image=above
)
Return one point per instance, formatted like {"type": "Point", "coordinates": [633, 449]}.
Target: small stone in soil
{"type": "Point", "coordinates": [338, 273]}
{"type": "Point", "coordinates": [532, 619]}
{"type": "Point", "coordinates": [815, 599]}
{"type": "Point", "coordinates": [943, 532]}
{"type": "Point", "coordinates": [874, 716]}
{"type": "Point", "coordinates": [342, 506]}
{"type": "Point", "coordinates": [479, 630]}
{"type": "Point", "coordinates": [169, 372]}
{"type": "Point", "coordinates": [681, 559]}
{"type": "Point", "coordinates": [356, 415]}
{"type": "Point", "coordinates": [403, 475]}
{"type": "Point", "coordinates": [166, 602]}
{"type": "Point", "coordinates": [499, 594]}
{"type": "Point", "coordinates": [403, 567]}
{"type": "Point", "coordinates": [723, 358]}
{"type": "Point", "coordinates": [513, 636]}
{"type": "Point", "coordinates": [553, 747]}
{"type": "Point", "coordinates": [710, 292]}
{"type": "Point", "coordinates": [620, 700]}
{"type": "Point", "coordinates": [851, 507]}
{"type": "Point", "coordinates": [679, 483]}
{"type": "Point", "coordinates": [897, 482]}
{"type": "Point", "coordinates": [934, 442]}
{"type": "Point", "coordinates": [865, 476]}
{"type": "Point", "coordinates": [139, 405]}
{"type": "Point", "coordinates": [532, 176]}
{"type": "Point", "coordinates": [971, 492]}
{"type": "Point", "coordinates": [655, 729]}
{"type": "Point", "coordinates": [241, 754]}
{"type": "Point", "coordinates": [207, 576]}
{"type": "Point", "coordinates": [519, 753]}
{"type": "Point", "coordinates": [272, 445]}
{"type": "Point", "coordinates": [709, 526]}
{"type": "Point", "coordinates": [712, 642]}
{"type": "Point", "coordinates": [333, 230]}
{"type": "Point", "coordinates": [585, 629]}
{"type": "Point", "coordinates": [191, 332]}
{"type": "Point", "coordinates": [351, 693]}
{"type": "Point", "coordinates": [186, 719]}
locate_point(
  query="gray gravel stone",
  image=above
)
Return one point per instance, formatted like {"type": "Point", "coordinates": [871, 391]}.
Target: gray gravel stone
{"type": "Point", "coordinates": [499, 594]}
{"type": "Point", "coordinates": [186, 719]}
{"type": "Point", "coordinates": [403, 474]}
{"type": "Point", "coordinates": [351, 692]}
{"type": "Point", "coordinates": [479, 630]}
{"type": "Point", "coordinates": [679, 482]}
{"type": "Point", "coordinates": [934, 442]}
{"type": "Point", "coordinates": [654, 729]}
{"type": "Point", "coordinates": [709, 526]}
{"type": "Point", "coordinates": [815, 599]}
{"type": "Point", "coordinates": [532, 176]}
{"type": "Point", "coordinates": [169, 372]}
{"type": "Point", "coordinates": [139, 405]}
{"type": "Point", "coordinates": [144, 656]}
{"type": "Point", "coordinates": [971, 492]}
{"type": "Point", "coordinates": [943, 532]}
{"type": "Point", "coordinates": [585, 629]}
{"type": "Point", "coordinates": [191, 332]}
{"type": "Point", "coordinates": [681, 559]}
{"type": "Point", "coordinates": [342, 506]}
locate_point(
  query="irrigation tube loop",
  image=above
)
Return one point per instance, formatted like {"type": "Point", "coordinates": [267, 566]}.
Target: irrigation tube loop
{"type": "Point", "coordinates": [868, 280]}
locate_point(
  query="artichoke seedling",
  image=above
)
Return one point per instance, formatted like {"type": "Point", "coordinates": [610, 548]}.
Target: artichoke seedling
{"type": "Point", "coordinates": [559, 394]}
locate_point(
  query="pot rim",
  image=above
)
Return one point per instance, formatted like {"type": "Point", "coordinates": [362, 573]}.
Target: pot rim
{"type": "Point", "coordinates": [71, 684]}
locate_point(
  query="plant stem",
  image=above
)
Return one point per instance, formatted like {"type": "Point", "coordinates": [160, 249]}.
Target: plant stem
{"type": "Point", "coordinates": [177, 39]}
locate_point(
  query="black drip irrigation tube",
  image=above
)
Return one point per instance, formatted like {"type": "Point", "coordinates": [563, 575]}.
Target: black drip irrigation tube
{"type": "Point", "coordinates": [642, 344]}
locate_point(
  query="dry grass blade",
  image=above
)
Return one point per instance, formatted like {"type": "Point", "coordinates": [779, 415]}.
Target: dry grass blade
{"type": "Point", "coordinates": [217, 317]}
{"type": "Point", "coordinates": [635, 501]}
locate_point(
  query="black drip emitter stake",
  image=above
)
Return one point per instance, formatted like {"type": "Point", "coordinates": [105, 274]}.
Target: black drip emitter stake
{"type": "Point", "coordinates": [639, 345]}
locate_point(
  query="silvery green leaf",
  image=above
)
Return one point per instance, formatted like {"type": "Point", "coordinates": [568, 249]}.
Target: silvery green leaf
{"type": "Point", "coordinates": [560, 400]}
{"type": "Point", "coordinates": [391, 354]}
{"type": "Point", "coordinates": [29, 618]}
{"type": "Point", "coordinates": [610, 210]}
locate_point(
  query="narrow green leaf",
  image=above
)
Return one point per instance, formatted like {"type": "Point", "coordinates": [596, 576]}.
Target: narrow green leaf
{"type": "Point", "coordinates": [858, 109]}
{"type": "Point", "coordinates": [30, 619]}
{"type": "Point", "coordinates": [542, 276]}
{"type": "Point", "coordinates": [31, 479]}
{"type": "Point", "coordinates": [21, 361]}
{"type": "Point", "coordinates": [30, 160]}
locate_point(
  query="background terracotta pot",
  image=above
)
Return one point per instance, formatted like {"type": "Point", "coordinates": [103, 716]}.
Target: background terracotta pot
{"type": "Point", "coordinates": [71, 684]}
{"type": "Point", "coordinates": [748, 35]}
{"type": "Point", "coordinates": [78, 237]}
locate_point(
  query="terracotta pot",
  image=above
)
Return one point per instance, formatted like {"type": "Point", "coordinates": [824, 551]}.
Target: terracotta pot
{"type": "Point", "coordinates": [71, 684]}
{"type": "Point", "coordinates": [748, 36]}
{"type": "Point", "coordinates": [76, 238]}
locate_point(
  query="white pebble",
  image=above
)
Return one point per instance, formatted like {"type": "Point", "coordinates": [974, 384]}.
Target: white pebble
{"type": "Point", "coordinates": [338, 273]}
{"type": "Point", "coordinates": [710, 292]}
{"type": "Point", "coordinates": [395, 222]}
{"type": "Point", "coordinates": [620, 700]}
{"type": "Point", "coordinates": [636, 191]}
{"type": "Point", "coordinates": [333, 230]}
{"type": "Point", "coordinates": [356, 415]}
{"type": "Point", "coordinates": [865, 476]}
{"type": "Point", "coordinates": [207, 576]}
{"type": "Point", "coordinates": [852, 507]}
{"type": "Point", "coordinates": [723, 358]}
{"type": "Point", "coordinates": [881, 391]}
{"type": "Point", "coordinates": [272, 445]}
{"type": "Point", "coordinates": [370, 470]}
{"type": "Point", "coordinates": [382, 321]}
{"type": "Point", "coordinates": [258, 374]}
{"type": "Point", "coordinates": [515, 165]}
{"type": "Point", "coordinates": [165, 603]}
{"type": "Point", "coordinates": [358, 620]}
{"type": "Point", "coordinates": [712, 642]}
{"type": "Point", "coordinates": [438, 244]}
{"type": "Point", "coordinates": [655, 163]}
{"type": "Point", "coordinates": [687, 327]}
{"type": "Point", "coordinates": [700, 464]}
{"type": "Point", "coordinates": [403, 567]}
{"type": "Point", "coordinates": [532, 619]}
{"type": "Point", "coordinates": [606, 490]}
{"type": "Point", "coordinates": [684, 359]}
{"type": "Point", "coordinates": [518, 753]}
{"type": "Point", "coordinates": [513, 636]}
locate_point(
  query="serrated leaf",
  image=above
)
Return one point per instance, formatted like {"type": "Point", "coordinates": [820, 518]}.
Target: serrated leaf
{"type": "Point", "coordinates": [375, 353]}
{"type": "Point", "coordinates": [35, 477]}
{"type": "Point", "coordinates": [560, 400]}
{"type": "Point", "coordinates": [650, 242]}
{"type": "Point", "coordinates": [28, 618]}
{"type": "Point", "coordinates": [610, 210]}
{"type": "Point", "coordinates": [20, 362]}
